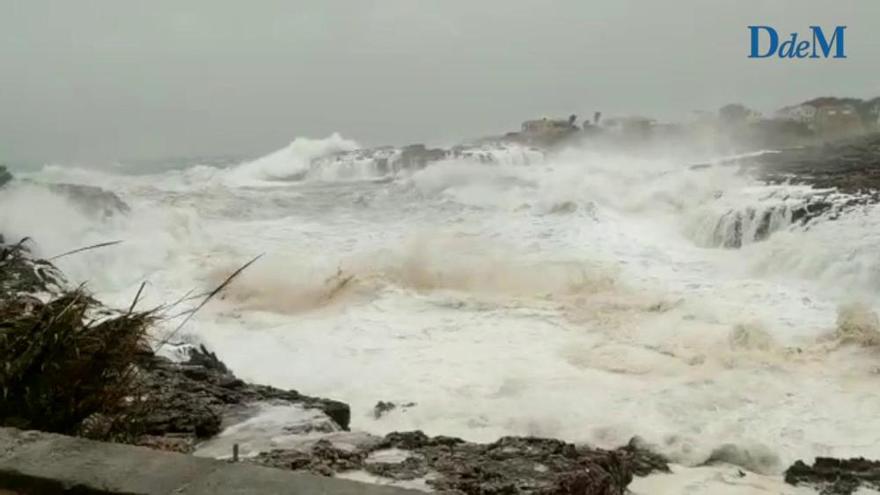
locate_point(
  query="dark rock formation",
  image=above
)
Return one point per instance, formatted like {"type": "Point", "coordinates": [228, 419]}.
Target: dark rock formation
{"type": "Point", "coordinates": [418, 156]}
{"type": "Point", "coordinates": [742, 226]}
{"type": "Point", "coordinates": [845, 175]}
{"type": "Point", "coordinates": [510, 465]}
{"type": "Point", "coordinates": [20, 273]}
{"type": "Point", "coordinates": [383, 407]}
{"type": "Point", "coordinates": [175, 403]}
{"type": "Point", "coordinates": [192, 398]}
{"type": "Point", "coordinates": [835, 476]}
{"type": "Point", "coordinates": [5, 176]}
{"type": "Point", "coordinates": [850, 166]}
{"type": "Point", "coordinates": [90, 199]}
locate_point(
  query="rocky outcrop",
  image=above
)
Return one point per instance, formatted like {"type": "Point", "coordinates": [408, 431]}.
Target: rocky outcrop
{"type": "Point", "coordinates": [76, 366]}
{"type": "Point", "coordinates": [383, 407]}
{"type": "Point", "coordinates": [738, 227]}
{"type": "Point", "coordinates": [5, 176]}
{"type": "Point", "coordinates": [92, 200]}
{"type": "Point", "coordinates": [836, 476]}
{"type": "Point", "coordinates": [842, 176]}
{"type": "Point", "coordinates": [386, 162]}
{"type": "Point", "coordinates": [525, 465]}
{"type": "Point", "coordinates": [849, 166]}
{"type": "Point", "coordinates": [20, 274]}
{"type": "Point", "coordinates": [190, 399]}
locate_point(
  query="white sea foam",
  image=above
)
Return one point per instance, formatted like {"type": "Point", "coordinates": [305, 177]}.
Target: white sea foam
{"type": "Point", "coordinates": [582, 295]}
{"type": "Point", "coordinates": [291, 162]}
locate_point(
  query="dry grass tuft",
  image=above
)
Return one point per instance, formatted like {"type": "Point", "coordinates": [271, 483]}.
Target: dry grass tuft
{"type": "Point", "coordinates": [69, 364]}
{"type": "Point", "coordinates": [67, 359]}
{"type": "Point", "coordinates": [64, 362]}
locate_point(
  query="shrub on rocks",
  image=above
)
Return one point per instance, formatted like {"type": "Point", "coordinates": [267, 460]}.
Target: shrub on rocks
{"type": "Point", "coordinates": [66, 358]}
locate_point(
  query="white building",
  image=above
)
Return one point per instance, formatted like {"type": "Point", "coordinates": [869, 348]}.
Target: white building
{"type": "Point", "coordinates": [804, 114]}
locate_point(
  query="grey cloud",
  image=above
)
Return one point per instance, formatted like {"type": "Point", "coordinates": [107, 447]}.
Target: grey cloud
{"type": "Point", "coordinates": [121, 79]}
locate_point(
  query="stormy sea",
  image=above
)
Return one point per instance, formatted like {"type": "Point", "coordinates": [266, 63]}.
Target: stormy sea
{"type": "Point", "coordinates": [719, 307]}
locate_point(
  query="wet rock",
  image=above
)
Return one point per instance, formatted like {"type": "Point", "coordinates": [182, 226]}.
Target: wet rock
{"type": "Point", "coordinates": [322, 458]}
{"type": "Point", "coordinates": [203, 357]}
{"type": "Point", "coordinates": [642, 459]}
{"type": "Point", "coordinates": [844, 175]}
{"type": "Point", "coordinates": [850, 166]}
{"type": "Point", "coordinates": [836, 476]}
{"type": "Point", "coordinates": [21, 273]}
{"type": "Point", "coordinates": [161, 403]}
{"type": "Point", "coordinates": [417, 156]}
{"type": "Point", "coordinates": [510, 465]}
{"type": "Point", "coordinates": [193, 397]}
{"type": "Point", "coordinates": [91, 200]}
{"type": "Point", "coordinates": [5, 176]}
{"type": "Point", "coordinates": [564, 207]}
{"type": "Point", "coordinates": [183, 444]}
{"type": "Point", "coordinates": [755, 458]}
{"type": "Point", "coordinates": [383, 407]}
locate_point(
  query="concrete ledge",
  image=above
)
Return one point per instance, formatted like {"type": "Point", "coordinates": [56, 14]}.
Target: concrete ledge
{"type": "Point", "coordinates": [44, 463]}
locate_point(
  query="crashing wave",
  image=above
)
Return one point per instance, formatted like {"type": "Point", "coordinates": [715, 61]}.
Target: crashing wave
{"type": "Point", "coordinates": [737, 226]}
{"type": "Point", "coordinates": [338, 159]}
{"type": "Point", "coordinates": [389, 162]}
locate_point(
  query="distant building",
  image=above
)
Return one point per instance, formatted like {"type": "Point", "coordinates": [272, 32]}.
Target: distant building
{"type": "Point", "coordinates": [804, 114]}
{"type": "Point", "coordinates": [874, 112]}
{"type": "Point", "coordinates": [837, 119]}
{"type": "Point", "coordinates": [547, 132]}
{"type": "Point", "coordinates": [545, 125]}
{"type": "Point", "coordinates": [629, 125]}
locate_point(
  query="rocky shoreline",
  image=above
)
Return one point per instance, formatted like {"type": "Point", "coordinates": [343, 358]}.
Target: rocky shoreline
{"type": "Point", "coordinates": [182, 404]}
{"type": "Point", "coordinates": [192, 400]}
{"type": "Point", "coordinates": [195, 397]}
{"type": "Point", "coordinates": [838, 177]}
{"type": "Point", "coordinates": [851, 166]}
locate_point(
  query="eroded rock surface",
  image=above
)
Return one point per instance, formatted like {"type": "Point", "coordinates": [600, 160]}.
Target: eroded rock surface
{"type": "Point", "coordinates": [510, 465]}
{"type": "Point", "coordinates": [5, 176]}
{"type": "Point", "coordinates": [192, 398]}
{"type": "Point", "coordinates": [22, 274]}
{"type": "Point", "coordinates": [91, 200]}
{"type": "Point", "coordinates": [836, 476]}
{"type": "Point", "coordinates": [850, 166]}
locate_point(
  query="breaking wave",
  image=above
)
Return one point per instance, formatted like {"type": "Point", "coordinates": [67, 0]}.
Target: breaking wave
{"type": "Point", "coordinates": [289, 163]}
{"type": "Point", "coordinates": [548, 292]}
{"type": "Point", "coordinates": [424, 265]}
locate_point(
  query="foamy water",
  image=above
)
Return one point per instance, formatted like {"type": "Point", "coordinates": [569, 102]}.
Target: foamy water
{"type": "Point", "coordinates": [581, 296]}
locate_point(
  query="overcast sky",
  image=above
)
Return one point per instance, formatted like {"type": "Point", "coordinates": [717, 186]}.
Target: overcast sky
{"type": "Point", "coordinates": [118, 79]}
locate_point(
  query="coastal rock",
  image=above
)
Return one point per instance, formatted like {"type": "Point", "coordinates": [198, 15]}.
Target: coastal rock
{"type": "Point", "coordinates": [843, 176]}
{"type": "Point", "coordinates": [418, 156]}
{"type": "Point", "coordinates": [20, 273]}
{"type": "Point", "coordinates": [850, 165]}
{"type": "Point", "coordinates": [383, 407]}
{"type": "Point", "coordinates": [384, 162]}
{"type": "Point", "coordinates": [5, 176]}
{"type": "Point", "coordinates": [193, 397]}
{"type": "Point", "coordinates": [525, 465]}
{"type": "Point", "coordinates": [155, 402]}
{"type": "Point", "coordinates": [836, 476]}
{"type": "Point", "coordinates": [91, 200]}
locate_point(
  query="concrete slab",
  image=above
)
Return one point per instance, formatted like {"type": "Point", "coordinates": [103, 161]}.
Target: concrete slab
{"type": "Point", "coordinates": [243, 479]}
{"type": "Point", "coordinates": [44, 463]}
